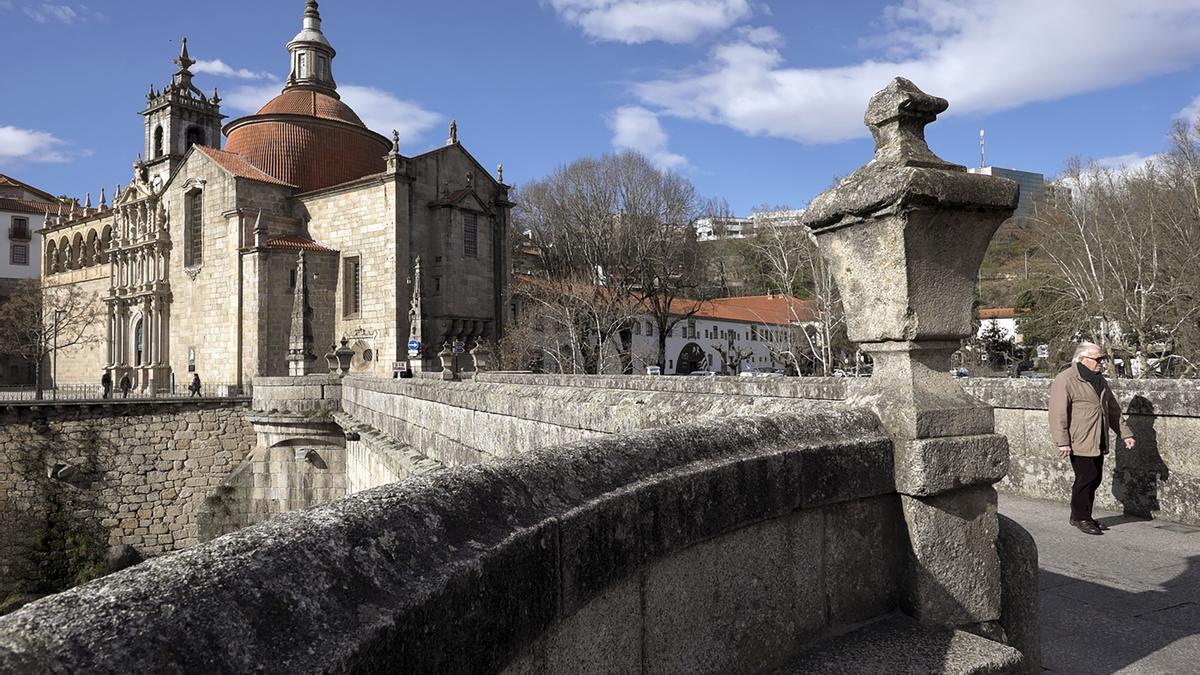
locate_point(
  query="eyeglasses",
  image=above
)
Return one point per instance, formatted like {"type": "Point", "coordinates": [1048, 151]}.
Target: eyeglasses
{"type": "Point", "coordinates": [1097, 359]}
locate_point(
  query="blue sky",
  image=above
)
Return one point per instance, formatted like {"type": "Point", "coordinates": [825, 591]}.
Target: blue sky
{"type": "Point", "coordinates": [758, 102]}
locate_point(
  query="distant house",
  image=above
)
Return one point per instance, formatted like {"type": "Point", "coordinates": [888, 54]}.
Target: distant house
{"type": "Point", "coordinates": [22, 213]}
{"type": "Point", "coordinates": [1004, 318]}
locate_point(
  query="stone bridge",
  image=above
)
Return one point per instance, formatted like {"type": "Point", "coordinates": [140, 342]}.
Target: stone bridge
{"type": "Point", "coordinates": [529, 524]}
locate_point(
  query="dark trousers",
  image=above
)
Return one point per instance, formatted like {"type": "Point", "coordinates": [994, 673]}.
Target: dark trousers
{"type": "Point", "coordinates": [1088, 473]}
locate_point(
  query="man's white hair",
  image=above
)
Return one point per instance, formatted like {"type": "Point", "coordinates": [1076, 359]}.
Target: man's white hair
{"type": "Point", "coordinates": [1084, 349]}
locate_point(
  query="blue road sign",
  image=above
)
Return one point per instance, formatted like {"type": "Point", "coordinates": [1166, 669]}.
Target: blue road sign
{"type": "Point", "coordinates": [414, 345]}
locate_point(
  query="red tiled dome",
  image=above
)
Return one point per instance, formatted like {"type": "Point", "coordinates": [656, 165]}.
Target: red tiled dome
{"type": "Point", "coordinates": [309, 139]}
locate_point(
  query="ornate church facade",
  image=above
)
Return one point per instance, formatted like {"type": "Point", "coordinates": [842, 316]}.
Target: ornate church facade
{"type": "Point", "coordinates": [194, 264]}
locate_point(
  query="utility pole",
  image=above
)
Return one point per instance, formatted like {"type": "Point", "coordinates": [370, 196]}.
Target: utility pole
{"type": "Point", "coordinates": [54, 367]}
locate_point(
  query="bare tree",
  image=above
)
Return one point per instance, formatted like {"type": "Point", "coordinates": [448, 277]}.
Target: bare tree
{"type": "Point", "coordinates": [791, 265]}
{"type": "Point", "coordinates": [616, 241]}
{"type": "Point", "coordinates": [34, 322]}
{"type": "Point", "coordinates": [1123, 249]}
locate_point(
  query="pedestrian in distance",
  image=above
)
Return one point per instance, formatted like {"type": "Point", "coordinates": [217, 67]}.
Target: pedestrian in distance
{"type": "Point", "coordinates": [1083, 409]}
{"type": "Point", "coordinates": [126, 385]}
{"type": "Point", "coordinates": [194, 387]}
{"type": "Point", "coordinates": [106, 384]}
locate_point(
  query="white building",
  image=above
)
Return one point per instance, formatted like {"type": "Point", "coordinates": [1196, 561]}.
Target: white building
{"type": "Point", "coordinates": [738, 227]}
{"type": "Point", "coordinates": [727, 335]}
{"type": "Point", "coordinates": [1003, 318]}
{"type": "Point", "coordinates": [22, 213]}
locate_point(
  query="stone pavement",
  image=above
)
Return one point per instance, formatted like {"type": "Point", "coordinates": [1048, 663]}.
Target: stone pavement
{"type": "Point", "coordinates": [1124, 602]}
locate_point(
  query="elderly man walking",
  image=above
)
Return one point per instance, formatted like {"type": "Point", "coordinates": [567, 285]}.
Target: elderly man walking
{"type": "Point", "coordinates": [1082, 411]}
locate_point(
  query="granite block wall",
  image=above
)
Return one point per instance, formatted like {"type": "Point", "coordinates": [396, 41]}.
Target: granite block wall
{"type": "Point", "coordinates": [137, 473]}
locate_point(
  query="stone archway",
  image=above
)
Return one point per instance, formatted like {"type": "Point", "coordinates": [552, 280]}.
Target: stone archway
{"type": "Point", "coordinates": [691, 358]}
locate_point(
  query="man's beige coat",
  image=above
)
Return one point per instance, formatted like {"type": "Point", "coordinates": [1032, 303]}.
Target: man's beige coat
{"type": "Point", "coordinates": [1078, 416]}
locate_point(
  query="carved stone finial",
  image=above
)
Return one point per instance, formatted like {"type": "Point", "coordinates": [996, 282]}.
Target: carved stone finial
{"type": "Point", "coordinates": [453, 133]}
{"type": "Point", "coordinates": [216, 97]}
{"type": "Point", "coordinates": [896, 116]}
{"type": "Point", "coordinates": [500, 172]}
{"type": "Point", "coordinates": [103, 200]}
{"type": "Point", "coordinates": [395, 141]}
{"type": "Point", "coordinates": [184, 61]}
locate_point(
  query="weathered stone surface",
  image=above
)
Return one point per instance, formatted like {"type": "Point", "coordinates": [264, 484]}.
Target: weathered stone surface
{"type": "Point", "coordinates": [899, 645]}
{"type": "Point", "coordinates": [738, 603]}
{"type": "Point", "coordinates": [905, 233]}
{"type": "Point", "coordinates": [1019, 600]}
{"type": "Point", "coordinates": [604, 637]}
{"type": "Point", "coordinates": [465, 558]}
{"type": "Point", "coordinates": [954, 571]}
{"type": "Point", "coordinates": [122, 482]}
{"type": "Point", "coordinates": [929, 466]}
{"type": "Point", "coordinates": [869, 529]}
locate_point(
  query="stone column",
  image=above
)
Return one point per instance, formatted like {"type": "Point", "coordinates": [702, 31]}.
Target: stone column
{"type": "Point", "coordinates": [905, 235]}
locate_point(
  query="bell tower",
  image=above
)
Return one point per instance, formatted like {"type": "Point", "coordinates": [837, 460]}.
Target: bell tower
{"type": "Point", "coordinates": [312, 56]}
{"type": "Point", "coordinates": [178, 117]}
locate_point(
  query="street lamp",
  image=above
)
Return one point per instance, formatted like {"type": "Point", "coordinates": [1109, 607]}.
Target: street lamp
{"type": "Point", "coordinates": [54, 368]}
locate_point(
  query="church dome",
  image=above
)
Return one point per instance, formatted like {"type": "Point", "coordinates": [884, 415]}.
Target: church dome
{"type": "Point", "coordinates": [307, 136]}
{"type": "Point", "coordinates": [308, 139]}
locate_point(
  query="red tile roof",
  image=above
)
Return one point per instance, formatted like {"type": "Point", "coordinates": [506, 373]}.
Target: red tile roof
{"type": "Point", "coordinates": [27, 206]}
{"type": "Point", "coordinates": [767, 309]}
{"type": "Point", "coordinates": [312, 104]}
{"type": "Point", "coordinates": [296, 243]}
{"type": "Point", "coordinates": [238, 166]}
{"type": "Point", "coordinates": [308, 154]}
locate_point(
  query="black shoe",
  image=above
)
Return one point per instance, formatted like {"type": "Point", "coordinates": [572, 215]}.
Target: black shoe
{"type": "Point", "coordinates": [1086, 526]}
{"type": "Point", "coordinates": [1099, 525]}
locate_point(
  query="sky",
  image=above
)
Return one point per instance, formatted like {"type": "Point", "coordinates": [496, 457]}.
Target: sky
{"type": "Point", "coordinates": [756, 102]}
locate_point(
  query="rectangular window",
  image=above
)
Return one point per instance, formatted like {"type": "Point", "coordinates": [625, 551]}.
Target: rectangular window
{"type": "Point", "coordinates": [351, 286]}
{"type": "Point", "coordinates": [691, 329]}
{"type": "Point", "coordinates": [20, 254]}
{"type": "Point", "coordinates": [470, 231]}
{"type": "Point", "coordinates": [637, 327]}
{"type": "Point", "coordinates": [753, 333]}
{"type": "Point", "coordinates": [19, 231]}
{"type": "Point", "coordinates": [193, 242]}
{"type": "Point", "coordinates": [292, 279]}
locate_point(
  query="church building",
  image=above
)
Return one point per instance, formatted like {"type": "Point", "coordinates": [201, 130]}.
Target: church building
{"type": "Point", "coordinates": [194, 263]}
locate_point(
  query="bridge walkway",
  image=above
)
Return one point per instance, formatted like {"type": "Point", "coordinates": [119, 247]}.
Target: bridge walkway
{"type": "Point", "coordinates": [1124, 602]}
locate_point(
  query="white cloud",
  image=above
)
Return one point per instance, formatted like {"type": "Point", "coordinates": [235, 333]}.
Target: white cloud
{"type": "Point", "coordinates": [45, 12]}
{"type": "Point", "coordinates": [221, 69]}
{"type": "Point", "coordinates": [1128, 163]}
{"type": "Point", "coordinates": [636, 128]}
{"type": "Point", "coordinates": [983, 57]}
{"type": "Point", "coordinates": [378, 109]}
{"type": "Point", "coordinates": [382, 112]}
{"type": "Point", "coordinates": [638, 21]}
{"type": "Point", "coordinates": [248, 98]}
{"type": "Point", "coordinates": [1191, 113]}
{"type": "Point", "coordinates": [28, 145]}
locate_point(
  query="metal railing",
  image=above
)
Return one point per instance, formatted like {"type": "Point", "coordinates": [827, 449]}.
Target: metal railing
{"type": "Point", "coordinates": [95, 392]}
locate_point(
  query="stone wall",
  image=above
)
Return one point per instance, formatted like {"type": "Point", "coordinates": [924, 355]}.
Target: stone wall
{"type": "Point", "coordinates": [1159, 477]}
{"type": "Point", "coordinates": [774, 532]}
{"type": "Point", "coordinates": [499, 416]}
{"type": "Point", "coordinates": [125, 472]}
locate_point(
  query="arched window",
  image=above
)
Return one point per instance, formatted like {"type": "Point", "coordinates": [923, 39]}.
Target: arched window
{"type": "Point", "coordinates": [158, 141]}
{"type": "Point", "coordinates": [139, 343]}
{"type": "Point", "coordinates": [105, 242]}
{"type": "Point", "coordinates": [195, 136]}
{"type": "Point", "coordinates": [93, 249]}
{"type": "Point", "coordinates": [79, 256]}
{"type": "Point", "coordinates": [51, 257]}
{"type": "Point", "coordinates": [193, 243]}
